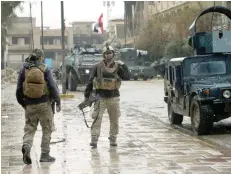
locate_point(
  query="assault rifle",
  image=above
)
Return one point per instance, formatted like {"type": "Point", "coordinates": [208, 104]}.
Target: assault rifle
{"type": "Point", "coordinates": [88, 103]}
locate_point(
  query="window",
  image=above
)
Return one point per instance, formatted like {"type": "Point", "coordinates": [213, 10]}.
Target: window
{"type": "Point", "coordinates": [170, 74]}
{"type": "Point", "coordinates": [27, 40]}
{"type": "Point", "coordinates": [208, 68]}
{"type": "Point", "coordinates": [14, 40]}
{"type": "Point", "coordinates": [173, 73]}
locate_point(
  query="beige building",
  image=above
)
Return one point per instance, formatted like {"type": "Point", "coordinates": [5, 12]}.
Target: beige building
{"type": "Point", "coordinates": [166, 9]}
{"type": "Point", "coordinates": [21, 42]}
{"type": "Point", "coordinates": [83, 34]}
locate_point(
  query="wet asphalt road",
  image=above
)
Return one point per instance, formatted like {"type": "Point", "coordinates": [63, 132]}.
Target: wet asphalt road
{"type": "Point", "coordinates": [147, 144]}
{"type": "Point", "coordinates": [147, 97]}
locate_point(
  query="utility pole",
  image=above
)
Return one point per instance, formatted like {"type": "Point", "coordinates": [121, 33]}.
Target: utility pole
{"type": "Point", "coordinates": [42, 25]}
{"type": "Point", "coordinates": [32, 34]}
{"type": "Point", "coordinates": [125, 25]}
{"type": "Point", "coordinates": [63, 47]}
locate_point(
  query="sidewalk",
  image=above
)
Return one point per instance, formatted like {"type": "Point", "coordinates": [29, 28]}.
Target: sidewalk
{"type": "Point", "coordinates": [145, 145]}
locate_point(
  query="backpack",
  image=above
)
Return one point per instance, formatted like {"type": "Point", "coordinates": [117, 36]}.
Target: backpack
{"type": "Point", "coordinates": [34, 84]}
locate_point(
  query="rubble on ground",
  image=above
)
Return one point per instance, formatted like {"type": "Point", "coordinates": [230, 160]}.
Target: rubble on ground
{"type": "Point", "coordinates": [9, 75]}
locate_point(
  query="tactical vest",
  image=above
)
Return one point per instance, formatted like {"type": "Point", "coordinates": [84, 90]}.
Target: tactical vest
{"type": "Point", "coordinates": [105, 83]}
{"type": "Point", "coordinates": [34, 85]}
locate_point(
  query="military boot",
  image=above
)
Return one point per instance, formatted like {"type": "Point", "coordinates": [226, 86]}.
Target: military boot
{"type": "Point", "coordinates": [94, 141]}
{"type": "Point", "coordinates": [112, 141]}
{"type": "Point", "coordinates": [45, 157]}
{"type": "Point", "coordinates": [26, 154]}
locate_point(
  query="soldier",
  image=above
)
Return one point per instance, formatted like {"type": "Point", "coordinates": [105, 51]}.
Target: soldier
{"type": "Point", "coordinates": [106, 78]}
{"type": "Point", "coordinates": [35, 85]}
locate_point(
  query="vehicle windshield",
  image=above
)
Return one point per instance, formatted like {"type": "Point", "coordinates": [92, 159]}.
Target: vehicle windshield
{"type": "Point", "coordinates": [208, 68]}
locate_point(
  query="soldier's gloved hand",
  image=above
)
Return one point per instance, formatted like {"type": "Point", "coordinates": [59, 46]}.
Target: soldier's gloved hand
{"type": "Point", "coordinates": [58, 107]}
{"type": "Point", "coordinates": [119, 62]}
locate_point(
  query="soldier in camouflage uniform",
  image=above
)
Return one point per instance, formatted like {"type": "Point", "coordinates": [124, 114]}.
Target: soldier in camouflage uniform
{"type": "Point", "coordinates": [35, 99]}
{"type": "Point", "coordinates": [106, 78]}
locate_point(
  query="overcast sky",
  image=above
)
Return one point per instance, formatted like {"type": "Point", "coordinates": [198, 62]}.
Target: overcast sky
{"type": "Point", "coordinates": [74, 10]}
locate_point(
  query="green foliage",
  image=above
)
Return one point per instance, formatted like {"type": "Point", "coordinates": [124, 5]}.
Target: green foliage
{"type": "Point", "coordinates": [178, 48]}
{"type": "Point", "coordinates": [153, 39]}
{"type": "Point", "coordinates": [166, 35]}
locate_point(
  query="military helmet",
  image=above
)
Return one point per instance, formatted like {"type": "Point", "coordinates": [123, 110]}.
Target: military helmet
{"type": "Point", "coordinates": [108, 48]}
{"type": "Point", "coordinates": [37, 53]}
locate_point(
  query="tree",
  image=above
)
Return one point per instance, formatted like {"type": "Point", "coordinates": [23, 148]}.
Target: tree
{"type": "Point", "coordinates": [154, 38]}
{"type": "Point", "coordinates": [163, 31]}
{"type": "Point", "coordinates": [7, 14]}
{"type": "Point", "coordinates": [178, 48]}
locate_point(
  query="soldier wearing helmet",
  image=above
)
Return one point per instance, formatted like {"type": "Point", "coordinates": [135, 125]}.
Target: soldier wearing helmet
{"type": "Point", "coordinates": [34, 89]}
{"type": "Point", "coordinates": [106, 78]}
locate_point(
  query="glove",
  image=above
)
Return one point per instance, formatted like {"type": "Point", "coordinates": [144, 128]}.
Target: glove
{"type": "Point", "coordinates": [58, 107]}
{"type": "Point", "coordinates": [119, 62]}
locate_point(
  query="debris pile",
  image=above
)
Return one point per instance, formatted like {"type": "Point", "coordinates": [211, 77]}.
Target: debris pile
{"type": "Point", "coordinates": [9, 75]}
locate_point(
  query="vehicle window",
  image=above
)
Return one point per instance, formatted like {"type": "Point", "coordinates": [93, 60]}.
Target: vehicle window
{"type": "Point", "coordinates": [173, 73]}
{"type": "Point", "coordinates": [208, 68]}
{"type": "Point", "coordinates": [139, 63]}
{"type": "Point", "coordinates": [170, 74]}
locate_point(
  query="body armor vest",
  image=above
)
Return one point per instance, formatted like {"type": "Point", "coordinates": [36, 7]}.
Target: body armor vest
{"type": "Point", "coordinates": [107, 77]}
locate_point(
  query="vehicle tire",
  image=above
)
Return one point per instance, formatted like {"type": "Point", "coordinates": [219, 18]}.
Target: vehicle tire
{"type": "Point", "coordinates": [72, 82]}
{"type": "Point", "coordinates": [202, 117]}
{"type": "Point", "coordinates": [135, 78]}
{"type": "Point", "coordinates": [173, 117]}
{"type": "Point", "coordinates": [145, 78]}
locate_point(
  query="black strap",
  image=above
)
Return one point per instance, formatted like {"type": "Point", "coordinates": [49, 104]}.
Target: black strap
{"type": "Point", "coordinates": [86, 120]}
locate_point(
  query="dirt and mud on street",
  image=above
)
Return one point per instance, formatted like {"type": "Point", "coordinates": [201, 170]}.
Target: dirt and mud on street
{"type": "Point", "coordinates": [147, 143]}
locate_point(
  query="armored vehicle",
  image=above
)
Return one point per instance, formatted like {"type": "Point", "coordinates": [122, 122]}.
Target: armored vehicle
{"type": "Point", "coordinates": [199, 86]}
{"type": "Point", "coordinates": [137, 62]}
{"type": "Point", "coordinates": [79, 64]}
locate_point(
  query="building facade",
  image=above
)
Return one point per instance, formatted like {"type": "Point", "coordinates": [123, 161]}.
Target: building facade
{"type": "Point", "coordinates": [137, 13]}
{"type": "Point", "coordinates": [23, 36]}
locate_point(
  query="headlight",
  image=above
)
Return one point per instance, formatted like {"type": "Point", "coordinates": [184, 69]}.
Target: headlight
{"type": "Point", "coordinates": [226, 94]}
{"type": "Point", "coordinates": [87, 71]}
{"type": "Point", "coordinates": [130, 70]}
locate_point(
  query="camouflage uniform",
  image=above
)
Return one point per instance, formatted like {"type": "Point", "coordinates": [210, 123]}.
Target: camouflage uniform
{"type": "Point", "coordinates": [106, 78]}
{"type": "Point", "coordinates": [37, 109]}
{"type": "Point", "coordinates": [34, 114]}
{"type": "Point", "coordinates": [113, 107]}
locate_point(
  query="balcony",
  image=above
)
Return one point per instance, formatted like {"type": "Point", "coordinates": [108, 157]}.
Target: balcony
{"type": "Point", "coordinates": [19, 47]}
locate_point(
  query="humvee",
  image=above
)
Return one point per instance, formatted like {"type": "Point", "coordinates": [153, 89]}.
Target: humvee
{"type": "Point", "coordinates": [199, 86]}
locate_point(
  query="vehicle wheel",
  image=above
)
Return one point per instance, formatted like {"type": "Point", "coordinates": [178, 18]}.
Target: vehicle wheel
{"type": "Point", "coordinates": [173, 117]}
{"type": "Point", "coordinates": [145, 78]}
{"type": "Point", "coordinates": [135, 78]}
{"type": "Point", "coordinates": [201, 117]}
{"type": "Point", "coordinates": [72, 82]}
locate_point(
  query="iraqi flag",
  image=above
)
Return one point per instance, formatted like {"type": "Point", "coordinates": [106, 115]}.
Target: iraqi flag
{"type": "Point", "coordinates": [98, 26]}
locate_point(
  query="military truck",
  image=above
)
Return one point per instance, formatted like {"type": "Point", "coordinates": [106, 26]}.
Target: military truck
{"type": "Point", "coordinates": [199, 86]}
{"type": "Point", "coordinates": [79, 64]}
{"type": "Point", "coordinates": [137, 62]}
